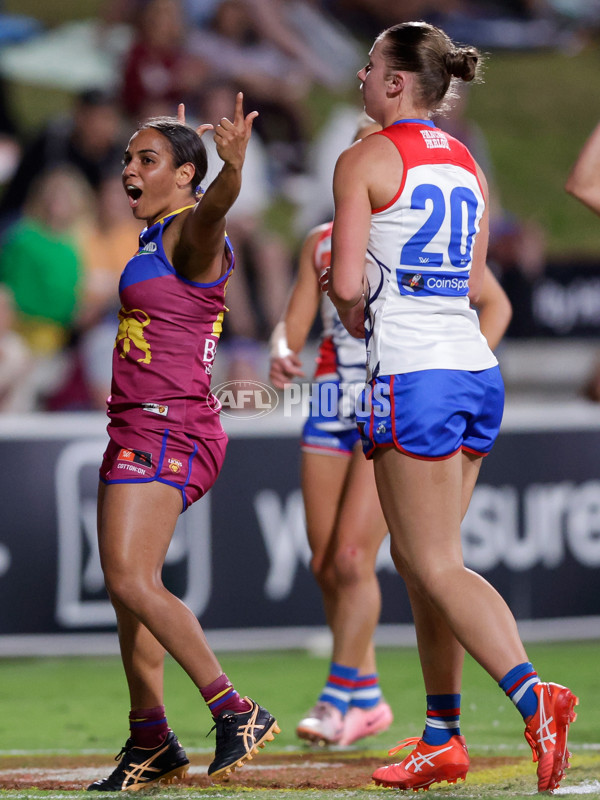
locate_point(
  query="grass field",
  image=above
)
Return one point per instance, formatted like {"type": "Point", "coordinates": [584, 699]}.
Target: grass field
{"type": "Point", "coordinates": [71, 713]}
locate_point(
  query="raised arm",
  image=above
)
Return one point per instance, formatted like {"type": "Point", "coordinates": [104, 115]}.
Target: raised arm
{"type": "Point", "coordinates": [204, 229]}
{"type": "Point", "coordinates": [584, 179]}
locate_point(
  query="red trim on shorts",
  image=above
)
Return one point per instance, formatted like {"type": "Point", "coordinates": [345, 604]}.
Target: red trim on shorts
{"type": "Point", "coordinates": [397, 443]}
{"type": "Point", "coordinates": [475, 452]}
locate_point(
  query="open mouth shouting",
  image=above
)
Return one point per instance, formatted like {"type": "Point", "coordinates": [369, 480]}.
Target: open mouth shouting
{"type": "Point", "coordinates": [133, 193]}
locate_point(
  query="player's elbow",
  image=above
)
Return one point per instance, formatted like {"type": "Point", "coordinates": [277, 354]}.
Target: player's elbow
{"type": "Point", "coordinates": [345, 294]}
{"type": "Point", "coordinates": [582, 190]}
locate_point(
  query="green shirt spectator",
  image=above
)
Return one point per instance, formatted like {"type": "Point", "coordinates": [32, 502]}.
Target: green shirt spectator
{"type": "Point", "coordinates": [40, 261]}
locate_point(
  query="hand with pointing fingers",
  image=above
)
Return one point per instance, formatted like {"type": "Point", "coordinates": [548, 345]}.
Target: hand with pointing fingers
{"type": "Point", "coordinates": [231, 138]}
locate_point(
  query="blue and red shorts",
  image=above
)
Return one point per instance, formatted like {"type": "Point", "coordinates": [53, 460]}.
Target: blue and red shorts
{"type": "Point", "coordinates": [134, 455]}
{"type": "Point", "coordinates": [432, 414]}
{"type": "Point", "coordinates": [328, 442]}
{"type": "Point", "coordinates": [330, 428]}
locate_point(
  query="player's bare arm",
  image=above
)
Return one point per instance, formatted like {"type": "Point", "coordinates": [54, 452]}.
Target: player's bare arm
{"type": "Point", "coordinates": [204, 228]}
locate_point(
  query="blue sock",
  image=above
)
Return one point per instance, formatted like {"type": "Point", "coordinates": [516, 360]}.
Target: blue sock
{"type": "Point", "coordinates": [443, 718]}
{"type": "Point", "coordinates": [518, 685]}
{"type": "Point", "coordinates": [339, 686]}
{"type": "Point", "coordinates": [367, 692]}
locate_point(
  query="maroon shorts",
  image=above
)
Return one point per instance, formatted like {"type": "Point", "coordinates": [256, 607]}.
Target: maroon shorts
{"type": "Point", "coordinates": [191, 465]}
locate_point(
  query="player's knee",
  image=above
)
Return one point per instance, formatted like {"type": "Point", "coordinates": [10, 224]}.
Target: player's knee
{"type": "Point", "coordinates": [352, 565]}
{"type": "Point", "coordinates": [126, 588]}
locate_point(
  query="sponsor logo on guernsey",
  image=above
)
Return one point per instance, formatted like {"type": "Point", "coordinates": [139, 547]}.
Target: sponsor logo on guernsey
{"type": "Point", "coordinates": [447, 284]}
{"type": "Point", "coordinates": [435, 139]}
{"type": "Point", "coordinates": [135, 457]}
{"type": "Point", "coordinates": [156, 408]}
{"type": "Point", "coordinates": [151, 247]}
{"type": "Point", "coordinates": [412, 282]}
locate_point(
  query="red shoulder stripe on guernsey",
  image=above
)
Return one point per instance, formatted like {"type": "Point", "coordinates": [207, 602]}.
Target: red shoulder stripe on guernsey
{"type": "Point", "coordinates": [402, 182]}
{"type": "Point", "coordinates": [414, 152]}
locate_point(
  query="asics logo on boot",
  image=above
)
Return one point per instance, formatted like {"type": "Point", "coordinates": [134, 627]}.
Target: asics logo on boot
{"type": "Point", "coordinates": [544, 732]}
{"type": "Point", "coordinates": [248, 730]}
{"type": "Point", "coordinates": [134, 775]}
{"type": "Point", "coordinates": [418, 760]}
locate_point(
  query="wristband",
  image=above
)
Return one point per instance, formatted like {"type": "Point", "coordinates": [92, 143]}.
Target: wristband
{"type": "Point", "coordinates": [278, 342]}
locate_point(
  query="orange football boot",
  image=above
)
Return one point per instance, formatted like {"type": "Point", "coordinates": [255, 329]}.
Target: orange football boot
{"type": "Point", "coordinates": [426, 764]}
{"type": "Point", "coordinates": [546, 732]}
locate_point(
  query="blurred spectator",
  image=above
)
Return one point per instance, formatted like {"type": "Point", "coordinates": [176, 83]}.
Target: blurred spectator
{"type": "Point", "coordinates": [511, 24]}
{"type": "Point", "coordinates": [159, 72]}
{"type": "Point", "coordinates": [504, 24]}
{"type": "Point", "coordinates": [41, 263]}
{"type": "Point", "coordinates": [16, 359]}
{"type": "Point", "coordinates": [274, 50]}
{"type": "Point", "coordinates": [367, 18]}
{"type": "Point", "coordinates": [40, 259]}
{"type": "Point", "coordinates": [16, 27]}
{"type": "Point", "coordinates": [107, 242]}
{"type": "Point", "coordinates": [274, 83]}
{"type": "Point", "coordinates": [263, 272]}
{"type": "Point", "coordinates": [89, 139]}
{"type": "Point", "coordinates": [303, 31]}
{"type": "Point", "coordinates": [312, 192]}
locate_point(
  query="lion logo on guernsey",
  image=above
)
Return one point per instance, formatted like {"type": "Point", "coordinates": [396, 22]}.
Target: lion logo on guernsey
{"type": "Point", "coordinates": [131, 332]}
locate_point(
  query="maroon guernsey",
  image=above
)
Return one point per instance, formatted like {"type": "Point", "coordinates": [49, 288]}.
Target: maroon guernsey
{"type": "Point", "coordinates": [169, 328]}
